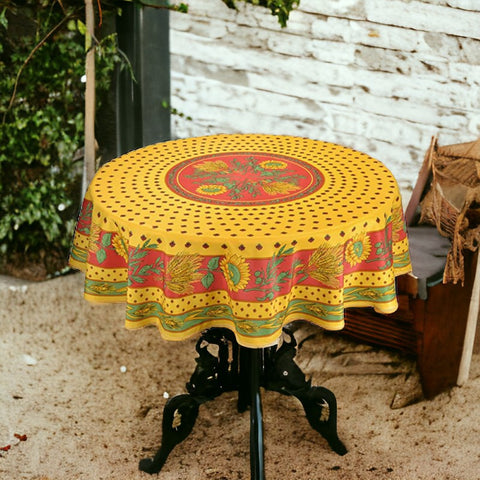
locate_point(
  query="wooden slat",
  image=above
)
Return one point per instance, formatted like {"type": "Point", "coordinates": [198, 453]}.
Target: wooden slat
{"type": "Point", "coordinates": [383, 330]}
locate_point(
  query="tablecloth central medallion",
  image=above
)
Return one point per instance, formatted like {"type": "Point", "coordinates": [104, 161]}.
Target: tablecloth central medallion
{"type": "Point", "coordinates": [245, 178]}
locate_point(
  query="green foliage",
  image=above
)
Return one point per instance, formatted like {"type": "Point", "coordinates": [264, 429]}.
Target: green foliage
{"type": "Point", "coordinates": [280, 8]}
{"type": "Point", "coordinates": [42, 61]}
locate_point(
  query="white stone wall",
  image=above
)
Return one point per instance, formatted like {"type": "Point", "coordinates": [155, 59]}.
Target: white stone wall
{"type": "Point", "coordinates": [380, 76]}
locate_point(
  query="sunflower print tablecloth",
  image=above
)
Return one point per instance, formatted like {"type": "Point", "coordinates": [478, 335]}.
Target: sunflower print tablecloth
{"type": "Point", "coordinates": [247, 232]}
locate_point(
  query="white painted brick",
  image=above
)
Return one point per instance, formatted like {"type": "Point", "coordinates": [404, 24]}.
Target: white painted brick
{"type": "Point", "coordinates": [208, 9]}
{"type": "Point", "coordinates": [212, 52]}
{"type": "Point", "coordinates": [340, 8]}
{"type": "Point", "coordinates": [243, 98]}
{"type": "Point", "coordinates": [462, 4]}
{"type": "Point", "coordinates": [293, 45]}
{"type": "Point", "coordinates": [465, 4]}
{"type": "Point", "coordinates": [380, 76]}
{"type": "Point", "coordinates": [464, 73]}
{"type": "Point", "coordinates": [365, 33]}
{"type": "Point", "coordinates": [315, 90]}
{"type": "Point", "coordinates": [470, 51]}
{"type": "Point", "coordinates": [401, 109]}
{"type": "Point", "coordinates": [396, 38]}
{"type": "Point", "coordinates": [426, 17]}
{"type": "Point", "coordinates": [398, 62]}
{"type": "Point", "coordinates": [299, 23]}
{"type": "Point", "coordinates": [213, 28]}
{"type": "Point", "coordinates": [438, 93]}
{"type": "Point", "coordinates": [258, 61]}
{"type": "Point", "coordinates": [352, 121]}
{"type": "Point", "coordinates": [332, 52]}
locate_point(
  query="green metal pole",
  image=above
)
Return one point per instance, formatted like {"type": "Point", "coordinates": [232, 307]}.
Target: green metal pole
{"type": "Point", "coordinates": [143, 35]}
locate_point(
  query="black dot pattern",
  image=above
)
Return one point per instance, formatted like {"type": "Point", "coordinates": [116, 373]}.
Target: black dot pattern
{"type": "Point", "coordinates": [355, 190]}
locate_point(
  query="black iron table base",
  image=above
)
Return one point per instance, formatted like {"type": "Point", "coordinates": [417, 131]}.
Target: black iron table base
{"type": "Point", "coordinates": [244, 370]}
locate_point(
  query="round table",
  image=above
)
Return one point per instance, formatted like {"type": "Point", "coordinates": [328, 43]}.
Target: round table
{"type": "Point", "coordinates": [245, 233]}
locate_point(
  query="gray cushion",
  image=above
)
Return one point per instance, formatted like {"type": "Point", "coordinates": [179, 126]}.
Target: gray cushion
{"type": "Point", "coordinates": [428, 252]}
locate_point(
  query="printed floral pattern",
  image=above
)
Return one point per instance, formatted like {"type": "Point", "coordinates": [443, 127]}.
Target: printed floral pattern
{"type": "Point", "coordinates": [244, 178]}
{"type": "Point", "coordinates": [183, 288]}
{"type": "Point", "coordinates": [275, 188]}
{"type": "Point", "coordinates": [186, 274]}
{"type": "Point", "coordinates": [211, 189]}
{"type": "Point", "coordinates": [120, 247]}
{"type": "Point", "coordinates": [274, 165]}
{"type": "Point", "coordinates": [358, 249]}
{"type": "Point", "coordinates": [236, 271]}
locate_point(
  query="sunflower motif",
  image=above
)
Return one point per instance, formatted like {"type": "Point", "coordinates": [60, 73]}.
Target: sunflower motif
{"type": "Point", "coordinates": [182, 272]}
{"type": "Point", "coordinates": [212, 166]}
{"type": "Point", "coordinates": [325, 265]}
{"type": "Point", "coordinates": [358, 249]}
{"type": "Point", "coordinates": [213, 189]}
{"type": "Point", "coordinates": [120, 246]}
{"type": "Point", "coordinates": [236, 271]}
{"type": "Point", "coordinates": [275, 188]}
{"type": "Point", "coordinates": [273, 165]}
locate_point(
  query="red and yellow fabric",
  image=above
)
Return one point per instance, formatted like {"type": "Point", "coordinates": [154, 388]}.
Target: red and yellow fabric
{"type": "Point", "coordinates": [248, 232]}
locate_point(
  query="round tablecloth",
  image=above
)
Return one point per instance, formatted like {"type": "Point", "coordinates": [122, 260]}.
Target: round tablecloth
{"type": "Point", "coordinates": [247, 232]}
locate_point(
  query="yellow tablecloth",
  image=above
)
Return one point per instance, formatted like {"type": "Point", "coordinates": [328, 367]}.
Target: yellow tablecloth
{"type": "Point", "coordinates": [248, 232]}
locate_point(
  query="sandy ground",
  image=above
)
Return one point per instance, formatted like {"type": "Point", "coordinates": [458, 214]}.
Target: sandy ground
{"type": "Point", "coordinates": [85, 418]}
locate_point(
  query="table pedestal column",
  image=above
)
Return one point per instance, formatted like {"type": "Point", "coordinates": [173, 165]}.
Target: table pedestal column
{"type": "Point", "coordinates": [245, 370]}
{"type": "Point", "coordinates": [251, 368]}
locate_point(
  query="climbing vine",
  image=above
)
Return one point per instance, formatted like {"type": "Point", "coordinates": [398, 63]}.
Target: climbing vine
{"type": "Point", "coordinates": [42, 62]}
{"type": "Point", "coordinates": [279, 8]}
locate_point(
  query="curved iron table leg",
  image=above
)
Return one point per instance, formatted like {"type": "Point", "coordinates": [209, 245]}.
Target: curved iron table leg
{"type": "Point", "coordinates": [320, 405]}
{"type": "Point", "coordinates": [212, 376]}
{"type": "Point", "coordinates": [179, 416]}
{"type": "Point", "coordinates": [245, 370]}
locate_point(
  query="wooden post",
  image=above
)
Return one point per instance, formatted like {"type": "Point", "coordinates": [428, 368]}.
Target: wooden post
{"type": "Point", "coordinates": [471, 328]}
{"type": "Point", "coordinates": [89, 155]}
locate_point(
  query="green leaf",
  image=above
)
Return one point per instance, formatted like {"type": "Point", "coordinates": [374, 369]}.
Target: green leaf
{"type": "Point", "coordinates": [207, 280]}
{"type": "Point", "coordinates": [3, 18]}
{"type": "Point", "coordinates": [144, 270]}
{"type": "Point", "coordinates": [213, 263]}
{"type": "Point", "coordinates": [82, 28]}
{"type": "Point", "coordinates": [107, 239]}
{"type": "Point", "coordinates": [101, 255]}
{"type": "Point", "coordinates": [181, 7]}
